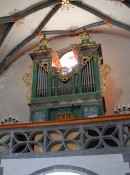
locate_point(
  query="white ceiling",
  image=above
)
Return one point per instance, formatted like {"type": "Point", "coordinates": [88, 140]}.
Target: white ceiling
{"type": "Point", "coordinates": [66, 18]}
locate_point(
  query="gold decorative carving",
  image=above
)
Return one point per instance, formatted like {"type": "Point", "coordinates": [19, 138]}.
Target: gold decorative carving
{"type": "Point", "coordinates": [43, 46]}
{"type": "Point", "coordinates": [27, 78]}
{"type": "Point", "coordinates": [65, 78]}
{"type": "Point", "coordinates": [45, 65]}
{"type": "Point", "coordinates": [76, 70]}
{"type": "Point", "coordinates": [85, 39]}
{"type": "Point", "coordinates": [53, 74]}
{"type": "Point", "coordinates": [65, 2]}
{"type": "Point", "coordinates": [104, 70]}
{"type": "Point", "coordinates": [85, 60]}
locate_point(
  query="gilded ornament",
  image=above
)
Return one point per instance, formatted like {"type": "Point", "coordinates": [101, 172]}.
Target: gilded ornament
{"type": "Point", "coordinates": [65, 2]}
{"type": "Point", "coordinates": [85, 60]}
{"type": "Point", "coordinates": [76, 70]}
{"type": "Point", "coordinates": [104, 70]}
{"type": "Point", "coordinates": [43, 46]}
{"type": "Point", "coordinates": [27, 78]}
{"type": "Point", "coordinates": [65, 78]}
{"type": "Point", "coordinates": [53, 74]}
{"type": "Point", "coordinates": [45, 65]}
{"type": "Point", "coordinates": [85, 40]}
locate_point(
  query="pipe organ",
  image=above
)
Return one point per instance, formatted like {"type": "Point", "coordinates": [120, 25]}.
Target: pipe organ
{"type": "Point", "coordinates": [67, 82]}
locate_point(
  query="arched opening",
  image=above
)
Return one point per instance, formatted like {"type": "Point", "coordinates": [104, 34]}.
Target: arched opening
{"type": "Point", "coordinates": [64, 170]}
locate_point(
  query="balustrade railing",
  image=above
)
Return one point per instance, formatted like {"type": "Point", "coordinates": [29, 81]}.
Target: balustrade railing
{"type": "Point", "coordinates": [66, 137]}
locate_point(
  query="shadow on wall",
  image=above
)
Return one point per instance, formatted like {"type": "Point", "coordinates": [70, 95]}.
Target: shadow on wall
{"type": "Point", "coordinates": [64, 168]}
{"type": "Point", "coordinates": [112, 95]}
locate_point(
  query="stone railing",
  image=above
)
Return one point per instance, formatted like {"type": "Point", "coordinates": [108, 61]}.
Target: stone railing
{"type": "Point", "coordinates": [99, 135]}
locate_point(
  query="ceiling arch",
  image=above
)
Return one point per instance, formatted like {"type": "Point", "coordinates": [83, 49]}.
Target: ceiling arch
{"type": "Point", "coordinates": [79, 15]}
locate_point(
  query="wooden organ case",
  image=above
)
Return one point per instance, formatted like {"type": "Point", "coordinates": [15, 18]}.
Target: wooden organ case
{"type": "Point", "coordinates": [67, 91]}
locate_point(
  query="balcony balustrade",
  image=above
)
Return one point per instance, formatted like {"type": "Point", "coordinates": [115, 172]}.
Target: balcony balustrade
{"type": "Point", "coordinates": [97, 135]}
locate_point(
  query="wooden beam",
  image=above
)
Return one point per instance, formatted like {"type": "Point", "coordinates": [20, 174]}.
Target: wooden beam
{"type": "Point", "coordinates": [127, 3]}
{"type": "Point", "coordinates": [5, 33]}
{"type": "Point", "coordinates": [100, 14]}
{"type": "Point", "coordinates": [100, 23]}
{"type": "Point", "coordinates": [6, 61]}
{"type": "Point", "coordinates": [28, 11]}
{"type": "Point", "coordinates": [62, 32]}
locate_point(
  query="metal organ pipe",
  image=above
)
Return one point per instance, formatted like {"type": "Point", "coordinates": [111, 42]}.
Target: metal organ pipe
{"type": "Point", "coordinates": [38, 82]}
{"type": "Point", "coordinates": [93, 77]}
{"type": "Point", "coordinates": [90, 76]}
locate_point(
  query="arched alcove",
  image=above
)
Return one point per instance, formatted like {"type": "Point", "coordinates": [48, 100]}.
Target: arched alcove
{"type": "Point", "coordinates": [63, 170]}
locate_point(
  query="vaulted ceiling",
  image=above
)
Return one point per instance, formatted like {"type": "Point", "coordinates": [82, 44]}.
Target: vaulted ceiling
{"type": "Point", "coordinates": [22, 23]}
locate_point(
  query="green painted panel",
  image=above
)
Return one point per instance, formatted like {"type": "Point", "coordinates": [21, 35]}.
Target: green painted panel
{"type": "Point", "coordinates": [67, 97]}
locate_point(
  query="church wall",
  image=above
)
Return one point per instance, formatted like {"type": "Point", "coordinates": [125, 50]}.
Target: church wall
{"type": "Point", "coordinates": [116, 53]}
{"type": "Point", "coordinates": [98, 164]}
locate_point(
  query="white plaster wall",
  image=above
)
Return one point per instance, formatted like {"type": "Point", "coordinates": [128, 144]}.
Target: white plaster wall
{"type": "Point", "coordinates": [116, 53]}
{"type": "Point", "coordinates": [13, 90]}
{"type": "Point", "coordinates": [101, 164]}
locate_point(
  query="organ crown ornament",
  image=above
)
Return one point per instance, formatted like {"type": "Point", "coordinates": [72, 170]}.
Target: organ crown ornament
{"type": "Point", "coordinates": [43, 46]}
{"type": "Point", "coordinates": [86, 39]}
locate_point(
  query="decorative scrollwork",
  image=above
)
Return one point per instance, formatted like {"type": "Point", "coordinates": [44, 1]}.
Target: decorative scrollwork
{"type": "Point", "coordinates": [65, 78]}
{"type": "Point", "coordinates": [104, 70]}
{"type": "Point", "coordinates": [85, 60]}
{"type": "Point", "coordinates": [27, 78]}
{"type": "Point", "coordinates": [45, 65]}
{"type": "Point", "coordinates": [43, 46]}
{"type": "Point", "coordinates": [76, 70]}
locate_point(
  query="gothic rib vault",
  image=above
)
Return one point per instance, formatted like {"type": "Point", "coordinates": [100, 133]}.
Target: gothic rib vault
{"type": "Point", "coordinates": [22, 23]}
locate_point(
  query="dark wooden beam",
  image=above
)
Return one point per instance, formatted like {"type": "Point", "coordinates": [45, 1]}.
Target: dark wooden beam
{"type": "Point", "coordinates": [69, 33]}
{"type": "Point", "coordinates": [100, 23]}
{"type": "Point", "coordinates": [5, 33]}
{"type": "Point", "coordinates": [100, 14]}
{"type": "Point", "coordinates": [59, 32]}
{"type": "Point", "coordinates": [127, 3]}
{"type": "Point", "coordinates": [5, 19]}
{"type": "Point", "coordinates": [28, 11]}
{"type": "Point", "coordinates": [8, 59]}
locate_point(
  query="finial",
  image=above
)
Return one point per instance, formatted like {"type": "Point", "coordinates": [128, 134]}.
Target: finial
{"type": "Point", "coordinates": [43, 41]}
{"type": "Point", "coordinates": [43, 46]}
{"type": "Point", "coordinates": [85, 39]}
{"type": "Point", "coordinates": [85, 34]}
